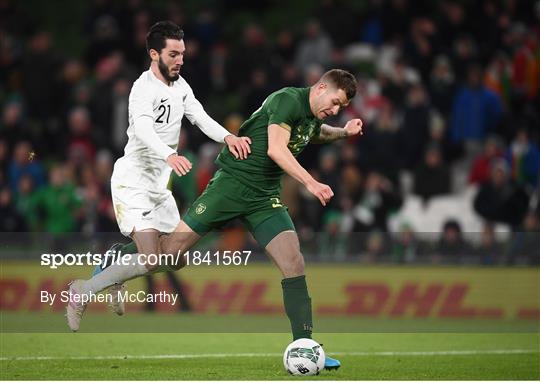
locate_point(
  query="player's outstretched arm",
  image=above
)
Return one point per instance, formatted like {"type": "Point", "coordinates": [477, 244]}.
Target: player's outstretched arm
{"type": "Point", "coordinates": [278, 138]}
{"type": "Point", "coordinates": [330, 133]}
{"type": "Point", "coordinates": [238, 146]}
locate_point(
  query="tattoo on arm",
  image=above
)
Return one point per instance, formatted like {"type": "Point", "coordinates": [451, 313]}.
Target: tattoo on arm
{"type": "Point", "coordinates": [329, 134]}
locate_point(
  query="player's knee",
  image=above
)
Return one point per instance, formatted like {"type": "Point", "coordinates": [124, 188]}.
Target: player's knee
{"type": "Point", "coordinates": [177, 262]}
{"type": "Point", "coordinates": [296, 266]}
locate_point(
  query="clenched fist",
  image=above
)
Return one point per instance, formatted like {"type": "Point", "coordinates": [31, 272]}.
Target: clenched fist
{"type": "Point", "coordinates": [353, 127]}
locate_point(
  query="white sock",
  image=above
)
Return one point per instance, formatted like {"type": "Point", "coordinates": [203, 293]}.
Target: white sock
{"type": "Point", "coordinates": [114, 274]}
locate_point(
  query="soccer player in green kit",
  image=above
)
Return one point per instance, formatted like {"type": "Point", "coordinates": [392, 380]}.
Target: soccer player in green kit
{"type": "Point", "coordinates": [249, 189]}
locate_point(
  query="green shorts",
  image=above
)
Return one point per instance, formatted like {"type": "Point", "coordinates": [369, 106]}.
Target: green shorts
{"type": "Point", "coordinates": [225, 198]}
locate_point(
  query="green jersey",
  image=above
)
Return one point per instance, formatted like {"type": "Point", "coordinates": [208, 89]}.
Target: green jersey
{"type": "Point", "coordinates": [288, 108]}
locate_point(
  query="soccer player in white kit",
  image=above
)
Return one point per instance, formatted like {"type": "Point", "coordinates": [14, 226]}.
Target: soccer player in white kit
{"type": "Point", "coordinates": [143, 205]}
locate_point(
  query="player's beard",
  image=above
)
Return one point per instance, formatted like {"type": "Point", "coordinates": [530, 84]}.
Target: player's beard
{"type": "Point", "coordinates": [164, 70]}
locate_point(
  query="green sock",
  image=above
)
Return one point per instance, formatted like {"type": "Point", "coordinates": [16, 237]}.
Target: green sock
{"type": "Point", "coordinates": [298, 306]}
{"type": "Point", "coordinates": [130, 247]}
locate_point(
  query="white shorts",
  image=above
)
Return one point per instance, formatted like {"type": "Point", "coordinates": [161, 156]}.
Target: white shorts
{"type": "Point", "coordinates": [137, 209]}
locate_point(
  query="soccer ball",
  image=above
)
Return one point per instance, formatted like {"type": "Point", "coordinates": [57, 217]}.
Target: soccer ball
{"type": "Point", "coordinates": [304, 357]}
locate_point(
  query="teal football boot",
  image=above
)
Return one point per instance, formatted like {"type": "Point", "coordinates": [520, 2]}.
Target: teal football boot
{"type": "Point", "coordinates": [331, 363]}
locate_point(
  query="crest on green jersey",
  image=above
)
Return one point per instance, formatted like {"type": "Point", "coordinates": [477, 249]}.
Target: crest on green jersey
{"type": "Point", "coordinates": [201, 207]}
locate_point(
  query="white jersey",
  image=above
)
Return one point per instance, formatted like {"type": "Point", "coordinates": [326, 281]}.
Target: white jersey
{"type": "Point", "coordinates": [142, 167]}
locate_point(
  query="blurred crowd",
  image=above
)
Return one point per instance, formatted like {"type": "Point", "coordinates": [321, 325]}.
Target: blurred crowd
{"type": "Point", "coordinates": [448, 92]}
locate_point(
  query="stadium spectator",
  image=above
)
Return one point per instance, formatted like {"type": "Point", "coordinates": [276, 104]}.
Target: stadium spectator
{"type": "Point", "coordinates": [88, 191]}
{"type": "Point", "coordinates": [71, 74]}
{"type": "Point", "coordinates": [524, 159]}
{"type": "Point", "coordinates": [311, 212]}
{"type": "Point", "coordinates": [57, 204]}
{"type": "Point", "coordinates": [489, 251]}
{"type": "Point", "coordinates": [451, 23]}
{"type": "Point", "coordinates": [105, 38]}
{"type": "Point", "coordinates": [524, 246]}
{"type": "Point", "coordinates": [328, 165]}
{"type": "Point", "coordinates": [432, 177]}
{"type": "Point", "coordinates": [4, 154]}
{"type": "Point", "coordinates": [482, 165]}
{"type": "Point", "coordinates": [451, 247]}
{"type": "Point", "coordinates": [438, 136]}
{"type": "Point", "coordinates": [41, 91]}
{"type": "Point", "coordinates": [289, 76]}
{"type": "Point", "coordinates": [13, 126]}
{"type": "Point", "coordinates": [332, 241]}
{"type": "Point", "coordinates": [205, 168]}
{"type": "Point", "coordinates": [10, 219]}
{"type": "Point", "coordinates": [383, 137]}
{"type": "Point", "coordinates": [339, 20]}
{"type": "Point", "coordinates": [349, 154]}
{"type": "Point", "coordinates": [524, 81]}
{"type": "Point", "coordinates": [136, 19]}
{"type": "Point", "coordinates": [394, 88]}
{"type": "Point", "coordinates": [119, 120]}
{"type": "Point", "coordinates": [351, 185]}
{"type": "Point", "coordinates": [500, 199]}
{"type": "Point", "coordinates": [442, 86]}
{"type": "Point", "coordinates": [108, 70]}
{"type": "Point", "coordinates": [258, 91]}
{"type": "Point", "coordinates": [253, 53]}
{"type": "Point", "coordinates": [498, 76]}
{"type": "Point", "coordinates": [25, 202]}
{"type": "Point", "coordinates": [406, 247]}
{"type": "Point", "coordinates": [396, 19]}
{"type": "Point", "coordinates": [80, 147]}
{"type": "Point", "coordinates": [312, 73]}
{"type": "Point", "coordinates": [476, 110]}
{"type": "Point", "coordinates": [418, 48]}
{"type": "Point", "coordinates": [375, 247]}
{"type": "Point", "coordinates": [197, 69]}
{"type": "Point", "coordinates": [285, 48]}
{"type": "Point", "coordinates": [414, 132]}
{"type": "Point", "coordinates": [314, 48]}
{"type": "Point", "coordinates": [105, 220]}
{"type": "Point", "coordinates": [379, 199]}
{"type": "Point", "coordinates": [24, 163]}
{"type": "Point", "coordinates": [487, 27]}
{"type": "Point", "coordinates": [463, 56]}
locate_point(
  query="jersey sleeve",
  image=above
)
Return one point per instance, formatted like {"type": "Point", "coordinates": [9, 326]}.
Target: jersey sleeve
{"type": "Point", "coordinates": [141, 101]}
{"type": "Point", "coordinates": [283, 110]}
{"type": "Point", "coordinates": [194, 111]}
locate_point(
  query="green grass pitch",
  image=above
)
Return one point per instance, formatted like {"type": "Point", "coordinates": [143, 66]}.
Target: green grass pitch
{"type": "Point", "coordinates": [243, 356]}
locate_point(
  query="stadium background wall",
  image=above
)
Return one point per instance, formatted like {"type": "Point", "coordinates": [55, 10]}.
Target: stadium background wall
{"type": "Point", "coordinates": [348, 290]}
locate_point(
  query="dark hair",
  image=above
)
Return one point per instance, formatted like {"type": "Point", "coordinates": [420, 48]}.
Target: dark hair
{"type": "Point", "coordinates": [161, 31]}
{"type": "Point", "coordinates": [342, 80]}
{"type": "Point", "coordinates": [452, 224]}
